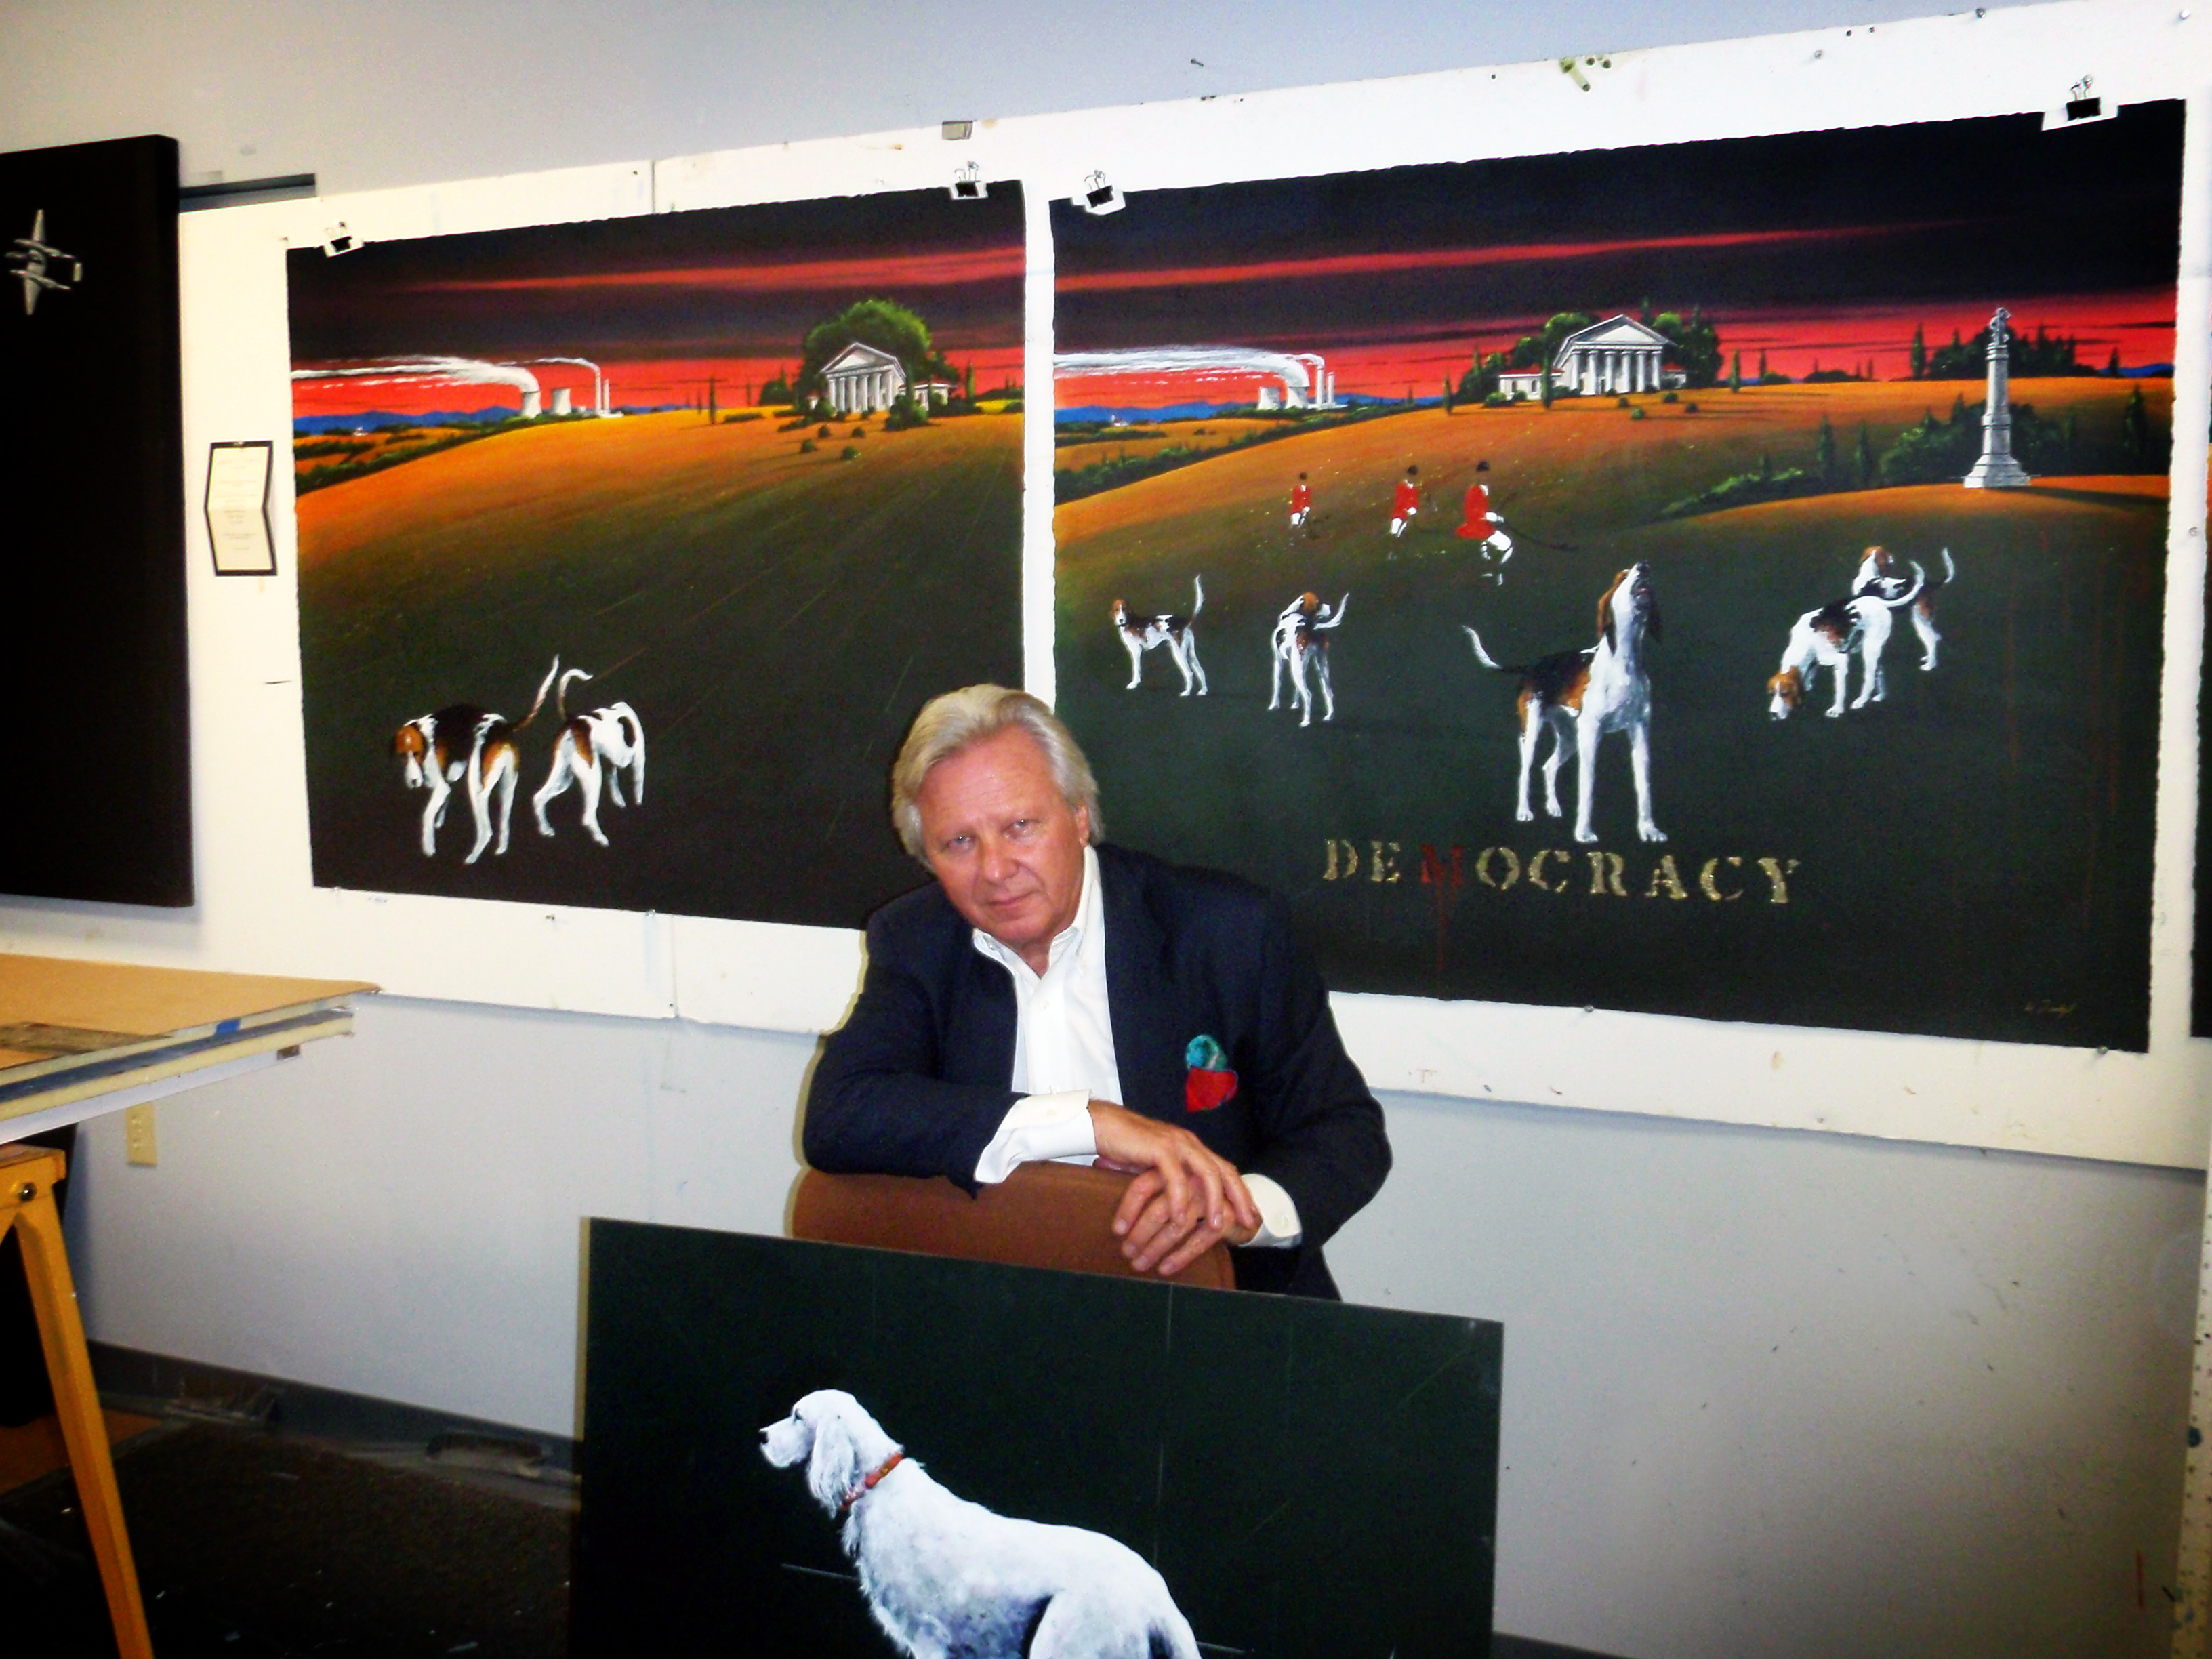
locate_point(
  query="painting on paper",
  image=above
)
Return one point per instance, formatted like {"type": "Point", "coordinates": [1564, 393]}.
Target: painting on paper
{"type": "Point", "coordinates": [1721, 580]}
{"type": "Point", "coordinates": [628, 549]}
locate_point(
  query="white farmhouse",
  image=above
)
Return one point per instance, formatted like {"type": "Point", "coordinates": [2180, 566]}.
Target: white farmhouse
{"type": "Point", "coordinates": [862, 379]}
{"type": "Point", "coordinates": [1617, 356]}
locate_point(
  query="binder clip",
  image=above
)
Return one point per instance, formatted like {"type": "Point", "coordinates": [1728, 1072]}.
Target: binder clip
{"type": "Point", "coordinates": [338, 239]}
{"type": "Point", "coordinates": [967, 184]}
{"type": "Point", "coordinates": [1097, 196]}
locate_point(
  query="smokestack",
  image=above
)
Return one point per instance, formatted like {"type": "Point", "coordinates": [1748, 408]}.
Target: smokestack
{"type": "Point", "coordinates": [532, 405]}
{"type": "Point", "coordinates": [560, 401]}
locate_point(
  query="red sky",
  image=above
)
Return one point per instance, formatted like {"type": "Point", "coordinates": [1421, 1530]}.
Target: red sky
{"type": "Point", "coordinates": [1451, 258]}
{"type": "Point", "coordinates": [2140, 325]}
{"type": "Point", "coordinates": [640, 382]}
{"type": "Point", "coordinates": [889, 271]}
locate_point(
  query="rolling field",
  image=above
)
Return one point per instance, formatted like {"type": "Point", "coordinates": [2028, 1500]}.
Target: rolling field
{"type": "Point", "coordinates": [775, 617]}
{"type": "Point", "coordinates": [1074, 449]}
{"type": "Point", "coordinates": [1971, 856]}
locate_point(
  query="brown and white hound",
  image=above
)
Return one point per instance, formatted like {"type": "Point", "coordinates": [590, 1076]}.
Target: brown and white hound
{"type": "Point", "coordinates": [1826, 638]}
{"type": "Point", "coordinates": [1879, 575]}
{"type": "Point", "coordinates": [1301, 641]}
{"type": "Point", "coordinates": [462, 743]}
{"type": "Point", "coordinates": [593, 748]}
{"type": "Point", "coordinates": [1582, 694]}
{"type": "Point", "coordinates": [1140, 634]}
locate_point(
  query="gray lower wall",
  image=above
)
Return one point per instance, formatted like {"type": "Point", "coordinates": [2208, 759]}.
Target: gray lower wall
{"type": "Point", "coordinates": [1765, 1393]}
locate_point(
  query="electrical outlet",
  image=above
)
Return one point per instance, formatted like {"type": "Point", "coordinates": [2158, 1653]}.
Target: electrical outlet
{"type": "Point", "coordinates": [139, 1135]}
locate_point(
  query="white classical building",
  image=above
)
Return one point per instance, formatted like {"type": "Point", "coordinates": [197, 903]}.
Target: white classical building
{"type": "Point", "coordinates": [1618, 355]}
{"type": "Point", "coordinates": [862, 379]}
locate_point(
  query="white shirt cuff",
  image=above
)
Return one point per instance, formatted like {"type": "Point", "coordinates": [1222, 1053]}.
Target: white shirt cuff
{"type": "Point", "coordinates": [1040, 1127]}
{"type": "Point", "coordinates": [1280, 1226]}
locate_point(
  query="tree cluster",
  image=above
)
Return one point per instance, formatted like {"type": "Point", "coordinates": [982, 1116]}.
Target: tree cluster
{"type": "Point", "coordinates": [888, 327]}
{"type": "Point", "coordinates": [2044, 356]}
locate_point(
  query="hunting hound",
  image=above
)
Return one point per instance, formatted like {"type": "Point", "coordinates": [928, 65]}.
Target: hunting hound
{"type": "Point", "coordinates": [592, 747]}
{"type": "Point", "coordinates": [1826, 639]}
{"type": "Point", "coordinates": [462, 743]}
{"type": "Point", "coordinates": [945, 1577]}
{"type": "Point", "coordinates": [1302, 639]}
{"type": "Point", "coordinates": [1878, 574]}
{"type": "Point", "coordinates": [1582, 694]}
{"type": "Point", "coordinates": [1140, 633]}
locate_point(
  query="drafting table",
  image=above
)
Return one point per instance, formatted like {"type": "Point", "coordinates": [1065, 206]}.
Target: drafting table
{"type": "Point", "coordinates": [81, 1038]}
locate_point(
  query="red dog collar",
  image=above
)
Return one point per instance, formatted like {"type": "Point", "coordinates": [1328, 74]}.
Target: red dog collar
{"type": "Point", "coordinates": [869, 1485]}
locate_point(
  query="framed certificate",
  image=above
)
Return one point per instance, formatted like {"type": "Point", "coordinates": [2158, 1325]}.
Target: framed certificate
{"type": "Point", "coordinates": [238, 509]}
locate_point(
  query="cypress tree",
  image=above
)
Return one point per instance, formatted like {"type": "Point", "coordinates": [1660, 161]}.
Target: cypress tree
{"type": "Point", "coordinates": [1919, 358]}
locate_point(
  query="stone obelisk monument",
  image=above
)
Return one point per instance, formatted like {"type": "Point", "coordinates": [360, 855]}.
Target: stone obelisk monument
{"type": "Point", "coordinates": [1997, 470]}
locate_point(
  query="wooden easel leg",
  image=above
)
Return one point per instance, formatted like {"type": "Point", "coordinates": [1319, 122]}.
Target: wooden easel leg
{"type": "Point", "coordinates": [27, 1200]}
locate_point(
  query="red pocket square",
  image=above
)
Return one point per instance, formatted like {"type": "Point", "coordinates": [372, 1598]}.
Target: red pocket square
{"type": "Point", "coordinates": [1203, 1090]}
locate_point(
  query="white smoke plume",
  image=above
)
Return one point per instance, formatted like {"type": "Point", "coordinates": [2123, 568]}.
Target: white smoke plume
{"type": "Point", "coordinates": [1221, 363]}
{"type": "Point", "coordinates": [397, 371]}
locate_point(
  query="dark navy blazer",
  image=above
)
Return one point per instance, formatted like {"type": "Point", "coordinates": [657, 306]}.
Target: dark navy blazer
{"type": "Point", "coordinates": [916, 1081]}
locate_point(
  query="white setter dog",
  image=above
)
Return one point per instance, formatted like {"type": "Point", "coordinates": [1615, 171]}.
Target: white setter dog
{"type": "Point", "coordinates": [1824, 638]}
{"type": "Point", "coordinates": [462, 743]}
{"type": "Point", "coordinates": [949, 1579]}
{"type": "Point", "coordinates": [1301, 641]}
{"type": "Point", "coordinates": [591, 748]}
{"type": "Point", "coordinates": [1140, 633]}
{"type": "Point", "coordinates": [1878, 575]}
{"type": "Point", "coordinates": [1582, 694]}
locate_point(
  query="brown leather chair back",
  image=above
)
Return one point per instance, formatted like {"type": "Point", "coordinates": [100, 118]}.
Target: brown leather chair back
{"type": "Point", "coordinates": [1043, 1215]}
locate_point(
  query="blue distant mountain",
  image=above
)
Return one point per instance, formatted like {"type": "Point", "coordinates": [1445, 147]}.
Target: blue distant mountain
{"type": "Point", "coordinates": [1132, 414]}
{"type": "Point", "coordinates": [2148, 371]}
{"type": "Point", "coordinates": [375, 419]}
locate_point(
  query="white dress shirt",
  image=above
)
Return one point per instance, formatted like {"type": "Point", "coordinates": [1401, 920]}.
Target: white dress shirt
{"type": "Point", "coordinates": [1063, 1058]}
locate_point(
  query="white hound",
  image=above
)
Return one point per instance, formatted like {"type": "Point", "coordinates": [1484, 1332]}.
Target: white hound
{"type": "Point", "coordinates": [591, 747]}
{"type": "Point", "coordinates": [464, 742]}
{"type": "Point", "coordinates": [1826, 639]}
{"type": "Point", "coordinates": [1140, 633]}
{"type": "Point", "coordinates": [1878, 575]}
{"type": "Point", "coordinates": [1584, 694]}
{"type": "Point", "coordinates": [1301, 639]}
{"type": "Point", "coordinates": [949, 1579]}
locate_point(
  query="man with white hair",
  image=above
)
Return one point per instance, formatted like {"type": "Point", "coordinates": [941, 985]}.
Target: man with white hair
{"type": "Point", "coordinates": [1052, 998]}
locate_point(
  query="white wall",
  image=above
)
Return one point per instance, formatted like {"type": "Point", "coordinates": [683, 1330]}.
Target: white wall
{"type": "Point", "coordinates": [1767, 1393]}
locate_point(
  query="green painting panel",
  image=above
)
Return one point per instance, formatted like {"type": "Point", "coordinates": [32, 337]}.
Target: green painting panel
{"type": "Point", "coordinates": [1310, 1478]}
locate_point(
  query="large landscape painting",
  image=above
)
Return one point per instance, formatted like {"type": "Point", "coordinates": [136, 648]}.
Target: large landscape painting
{"type": "Point", "coordinates": [1440, 478]}
{"type": "Point", "coordinates": [755, 471]}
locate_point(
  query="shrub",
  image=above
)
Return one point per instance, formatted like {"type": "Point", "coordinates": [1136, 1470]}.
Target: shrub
{"type": "Point", "coordinates": [1495, 400]}
{"type": "Point", "coordinates": [806, 446]}
{"type": "Point", "coordinates": [858, 432]}
{"type": "Point", "coordinates": [742, 417]}
{"type": "Point", "coordinates": [1667, 397]}
{"type": "Point", "coordinates": [850, 453]}
{"type": "Point", "coordinates": [823, 433]}
{"type": "Point", "coordinates": [1620, 403]}
{"type": "Point", "coordinates": [1635, 414]}
{"type": "Point", "coordinates": [1743, 489]}
{"type": "Point", "coordinates": [1690, 408]}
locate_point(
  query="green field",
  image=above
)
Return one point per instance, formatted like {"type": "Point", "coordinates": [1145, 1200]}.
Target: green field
{"type": "Point", "coordinates": [1972, 856]}
{"type": "Point", "coordinates": [774, 619]}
